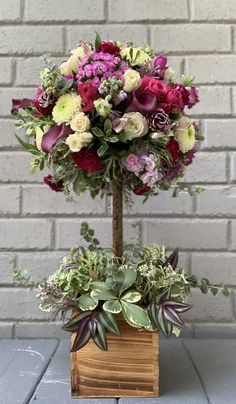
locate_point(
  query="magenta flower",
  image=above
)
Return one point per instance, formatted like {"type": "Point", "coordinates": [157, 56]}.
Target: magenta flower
{"type": "Point", "coordinates": [53, 135]}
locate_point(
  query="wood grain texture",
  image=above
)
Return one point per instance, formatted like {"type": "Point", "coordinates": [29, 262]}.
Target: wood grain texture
{"type": "Point", "coordinates": [130, 367]}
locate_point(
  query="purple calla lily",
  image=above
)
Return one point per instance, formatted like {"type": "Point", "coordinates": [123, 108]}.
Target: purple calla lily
{"type": "Point", "coordinates": [141, 102]}
{"type": "Point", "coordinates": [24, 103]}
{"type": "Point", "coordinates": [55, 133]}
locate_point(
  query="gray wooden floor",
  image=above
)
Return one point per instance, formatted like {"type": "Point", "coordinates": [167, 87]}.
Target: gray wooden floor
{"type": "Point", "coordinates": [192, 372]}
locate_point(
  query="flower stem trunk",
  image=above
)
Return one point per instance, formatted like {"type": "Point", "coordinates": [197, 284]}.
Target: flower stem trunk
{"type": "Point", "coordinates": [117, 218]}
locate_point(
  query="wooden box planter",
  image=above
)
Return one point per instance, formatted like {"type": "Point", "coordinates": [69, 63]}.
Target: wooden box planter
{"type": "Point", "coordinates": [130, 367]}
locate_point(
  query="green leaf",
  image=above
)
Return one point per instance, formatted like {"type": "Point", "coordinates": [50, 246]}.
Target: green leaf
{"type": "Point", "coordinates": [99, 294]}
{"type": "Point", "coordinates": [86, 302]}
{"type": "Point", "coordinates": [132, 296]}
{"type": "Point", "coordinates": [102, 149]}
{"type": "Point", "coordinates": [204, 287]}
{"type": "Point", "coordinates": [109, 322]}
{"type": "Point", "coordinates": [124, 278]}
{"type": "Point", "coordinates": [99, 286]}
{"type": "Point", "coordinates": [73, 323]}
{"type": "Point", "coordinates": [135, 315]}
{"type": "Point", "coordinates": [214, 291]}
{"type": "Point", "coordinates": [107, 127]}
{"type": "Point", "coordinates": [113, 139]}
{"type": "Point", "coordinates": [98, 41]}
{"type": "Point", "coordinates": [97, 132]}
{"type": "Point", "coordinates": [225, 291]}
{"type": "Point", "coordinates": [125, 136]}
{"type": "Point", "coordinates": [100, 338]}
{"type": "Point", "coordinates": [27, 146]}
{"type": "Point", "coordinates": [112, 306]}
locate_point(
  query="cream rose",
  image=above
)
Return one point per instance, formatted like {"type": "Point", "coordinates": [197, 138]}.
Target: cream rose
{"type": "Point", "coordinates": [77, 141]}
{"type": "Point", "coordinates": [132, 80]}
{"type": "Point", "coordinates": [136, 123]}
{"type": "Point", "coordinates": [80, 122]}
{"type": "Point", "coordinates": [72, 64]}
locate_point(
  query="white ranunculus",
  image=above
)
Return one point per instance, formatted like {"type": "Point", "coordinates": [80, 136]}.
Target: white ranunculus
{"type": "Point", "coordinates": [184, 133]}
{"type": "Point", "coordinates": [136, 123]}
{"type": "Point", "coordinates": [71, 65]}
{"type": "Point", "coordinates": [80, 122]}
{"type": "Point", "coordinates": [103, 107]}
{"type": "Point", "coordinates": [77, 141]}
{"type": "Point", "coordinates": [132, 80]}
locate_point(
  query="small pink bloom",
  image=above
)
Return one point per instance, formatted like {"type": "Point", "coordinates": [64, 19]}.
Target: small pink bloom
{"type": "Point", "coordinates": [133, 163]}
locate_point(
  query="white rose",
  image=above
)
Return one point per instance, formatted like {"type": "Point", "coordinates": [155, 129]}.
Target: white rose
{"type": "Point", "coordinates": [77, 141]}
{"type": "Point", "coordinates": [71, 65]}
{"type": "Point", "coordinates": [80, 122]}
{"type": "Point", "coordinates": [136, 123]}
{"type": "Point", "coordinates": [132, 80]}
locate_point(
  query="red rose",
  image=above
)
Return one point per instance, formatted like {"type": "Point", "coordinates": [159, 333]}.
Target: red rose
{"type": "Point", "coordinates": [173, 147]}
{"type": "Point", "coordinates": [55, 186]}
{"type": "Point", "coordinates": [109, 47]}
{"type": "Point", "coordinates": [176, 96]}
{"type": "Point", "coordinates": [87, 160]}
{"type": "Point", "coordinates": [154, 87]}
{"type": "Point", "coordinates": [141, 190]}
{"type": "Point", "coordinates": [88, 94]}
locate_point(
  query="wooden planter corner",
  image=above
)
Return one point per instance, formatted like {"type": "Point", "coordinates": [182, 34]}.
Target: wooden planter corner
{"type": "Point", "coordinates": [130, 367]}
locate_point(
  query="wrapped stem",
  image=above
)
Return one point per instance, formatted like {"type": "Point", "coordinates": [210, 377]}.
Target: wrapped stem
{"type": "Point", "coordinates": [117, 218]}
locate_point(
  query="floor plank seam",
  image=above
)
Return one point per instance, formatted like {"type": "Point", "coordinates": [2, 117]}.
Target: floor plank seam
{"type": "Point", "coordinates": [43, 372]}
{"type": "Point", "coordinates": [196, 371]}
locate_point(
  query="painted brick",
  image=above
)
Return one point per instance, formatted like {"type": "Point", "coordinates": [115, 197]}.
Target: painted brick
{"type": "Point", "coordinates": [68, 232]}
{"type": "Point", "coordinates": [207, 167]}
{"type": "Point", "coordinates": [163, 204]}
{"type": "Point", "coordinates": [6, 330]}
{"type": "Point", "coordinates": [7, 264]}
{"type": "Point", "coordinates": [40, 330]}
{"type": "Point", "coordinates": [7, 130]}
{"type": "Point", "coordinates": [15, 167]}
{"type": "Point", "coordinates": [207, 10]}
{"type": "Point", "coordinates": [187, 38]}
{"type": "Point", "coordinates": [186, 233]}
{"type": "Point", "coordinates": [6, 71]}
{"type": "Point", "coordinates": [176, 63]}
{"type": "Point", "coordinates": [53, 203]}
{"type": "Point", "coordinates": [233, 234]}
{"type": "Point", "coordinates": [209, 308]}
{"type": "Point", "coordinates": [214, 100]}
{"type": "Point", "coordinates": [7, 94]}
{"type": "Point", "coordinates": [233, 166]}
{"type": "Point", "coordinates": [217, 201]}
{"type": "Point", "coordinates": [9, 200]}
{"type": "Point", "coordinates": [138, 10]}
{"type": "Point", "coordinates": [39, 265]}
{"type": "Point", "coordinates": [27, 70]}
{"type": "Point", "coordinates": [74, 11]}
{"type": "Point", "coordinates": [10, 10]}
{"type": "Point", "coordinates": [25, 234]}
{"type": "Point", "coordinates": [31, 40]}
{"type": "Point", "coordinates": [135, 33]}
{"type": "Point", "coordinates": [217, 267]}
{"type": "Point", "coordinates": [221, 331]}
{"type": "Point", "coordinates": [24, 304]}
{"type": "Point", "coordinates": [212, 69]}
{"type": "Point", "coordinates": [219, 134]}
{"type": "Point", "coordinates": [234, 100]}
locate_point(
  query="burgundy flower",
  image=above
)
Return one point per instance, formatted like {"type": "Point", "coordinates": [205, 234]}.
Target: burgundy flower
{"type": "Point", "coordinates": [108, 47]}
{"type": "Point", "coordinates": [55, 133]}
{"type": "Point", "coordinates": [24, 103]}
{"type": "Point", "coordinates": [158, 120]}
{"type": "Point", "coordinates": [88, 94]}
{"type": "Point", "coordinates": [43, 101]}
{"type": "Point", "coordinates": [193, 97]}
{"type": "Point", "coordinates": [155, 87]}
{"type": "Point", "coordinates": [55, 186]}
{"type": "Point", "coordinates": [173, 147]}
{"type": "Point", "coordinates": [174, 97]}
{"type": "Point", "coordinates": [141, 190]}
{"type": "Point", "coordinates": [87, 160]}
{"type": "Point", "coordinates": [189, 157]}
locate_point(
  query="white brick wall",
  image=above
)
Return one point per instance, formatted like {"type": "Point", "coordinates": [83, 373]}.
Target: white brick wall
{"type": "Point", "coordinates": [37, 226]}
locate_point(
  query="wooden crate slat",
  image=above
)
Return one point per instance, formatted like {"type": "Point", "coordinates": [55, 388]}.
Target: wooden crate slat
{"type": "Point", "coordinates": [130, 367]}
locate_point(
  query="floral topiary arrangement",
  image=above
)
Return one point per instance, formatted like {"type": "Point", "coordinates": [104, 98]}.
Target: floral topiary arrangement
{"type": "Point", "coordinates": [111, 119]}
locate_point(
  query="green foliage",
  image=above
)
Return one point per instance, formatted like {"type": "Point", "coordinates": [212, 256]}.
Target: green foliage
{"type": "Point", "coordinates": [22, 277]}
